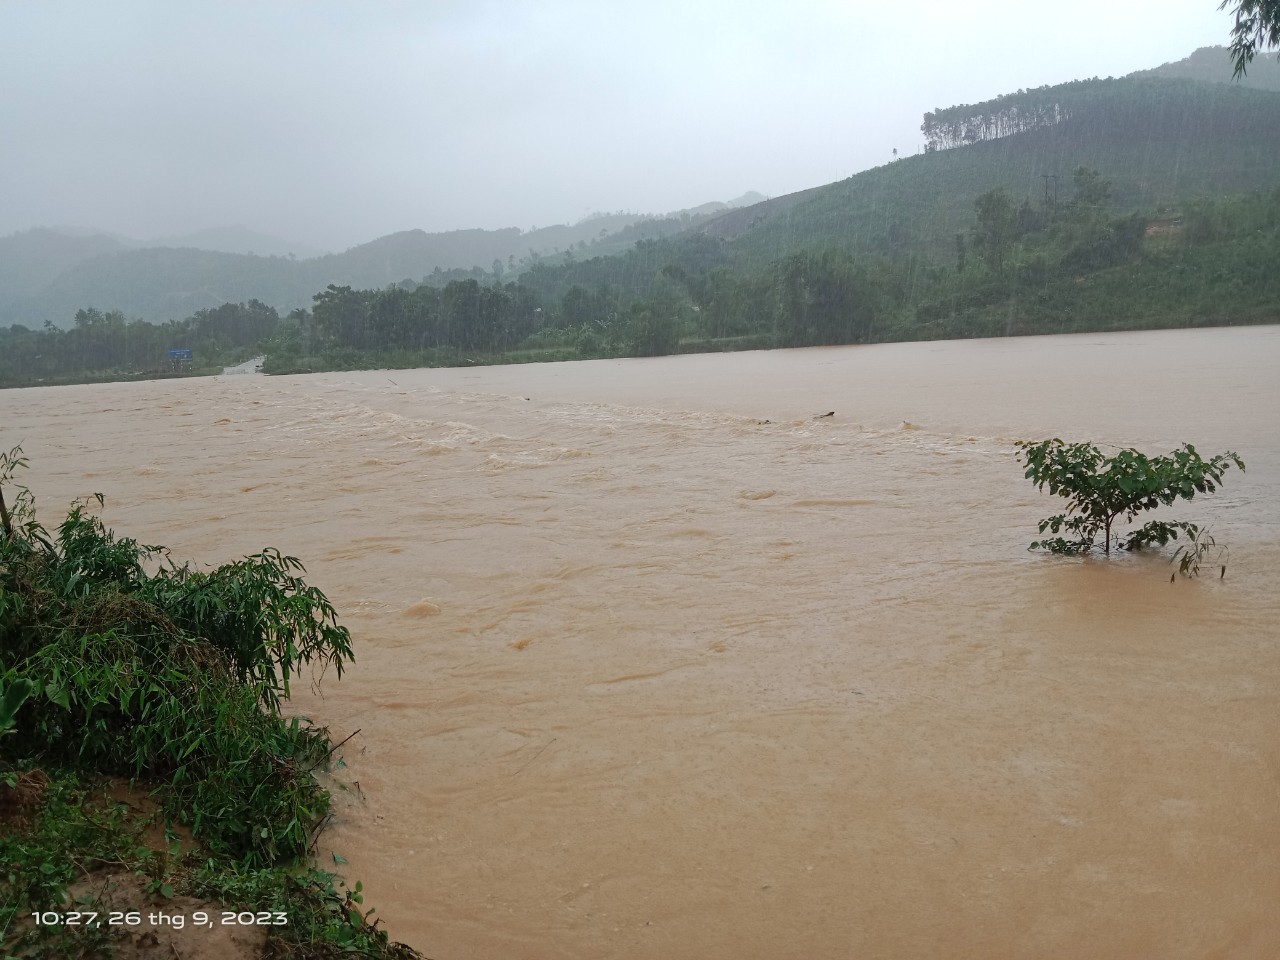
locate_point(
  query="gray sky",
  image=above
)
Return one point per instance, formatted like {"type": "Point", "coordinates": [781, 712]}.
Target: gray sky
{"type": "Point", "coordinates": [332, 123]}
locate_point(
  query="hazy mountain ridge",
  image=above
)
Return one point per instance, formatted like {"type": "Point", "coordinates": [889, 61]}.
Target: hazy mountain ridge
{"type": "Point", "coordinates": [32, 259]}
{"type": "Point", "coordinates": [48, 274]}
{"type": "Point", "coordinates": [1212, 65]}
{"type": "Point", "coordinates": [1162, 137]}
{"type": "Point", "coordinates": [237, 239]}
{"type": "Point", "coordinates": [162, 283]}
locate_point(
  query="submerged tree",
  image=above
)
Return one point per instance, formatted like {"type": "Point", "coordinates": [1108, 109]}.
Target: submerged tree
{"type": "Point", "coordinates": [1101, 490]}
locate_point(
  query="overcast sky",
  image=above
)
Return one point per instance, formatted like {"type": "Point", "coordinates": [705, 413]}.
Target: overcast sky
{"type": "Point", "coordinates": [332, 123]}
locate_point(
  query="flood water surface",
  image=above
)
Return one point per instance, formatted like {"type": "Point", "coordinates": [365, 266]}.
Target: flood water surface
{"type": "Point", "coordinates": [655, 660]}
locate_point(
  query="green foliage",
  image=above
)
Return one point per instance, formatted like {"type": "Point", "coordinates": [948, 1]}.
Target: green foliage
{"type": "Point", "coordinates": [106, 345]}
{"type": "Point", "coordinates": [176, 676]}
{"type": "Point", "coordinates": [16, 517]}
{"type": "Point", "coordinates": [1044, 269]}
{"type": "Point", "coordinates": [1101, 490]}
{"type": "Point", "coordinates": [72, 830]}
{"type": "Point", "coordinates": [1257, 27]}
{"type": "Point", "coordinates": [260, 612]}
{"type": "Point", "coordinates": [11, 698]}
{"type": "Point", "coordinates": [1048, 268]}
{"type": "Point", "coordinates": [79, 827]}
{"type": "Point", "coordinates": [997, 227]}
{"type": "Point", "coordinates": [91, 558]}
{"type": "Point", "coordinates": [651, 333]}
{"type": "Point", "coordinates": [1190, 555]}
{"type": "Point", "coordinates": [326, 919]}
{"type": "Point", "coordinates": [1091, 191]}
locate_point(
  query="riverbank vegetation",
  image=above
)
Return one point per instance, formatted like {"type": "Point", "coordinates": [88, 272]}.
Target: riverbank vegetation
{"type": "Point", "coordinates": [131, 668]}
{"type": "Point", "coordinates": [1022, 267]}
{"type": "Point", "coordinates": [1025, 265]}
{"type": "Point", "coordinates": [105, 345]}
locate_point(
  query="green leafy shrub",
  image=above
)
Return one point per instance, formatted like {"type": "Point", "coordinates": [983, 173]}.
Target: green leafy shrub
{"type": "Point", "coordinates": [1202, 547]}
{"type": "Point", "coordinates": [1101, 490]}
{"type": "Point", "coordinates": [175, 676]}
{"type": "Point", "coordinates": [261, 613]}
{"type": "Point", "coordinates": [11, 698]}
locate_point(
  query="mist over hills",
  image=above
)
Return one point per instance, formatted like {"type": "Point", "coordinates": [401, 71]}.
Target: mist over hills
{"type": "Point", "coordinates": [33, 259]}
{"type": "Point", "coordinates": [237, 239]}
{"type": "Point", "coordinates": [1162, 137]}
{"type": "Point", "coordinates": [47, 274]}
{"type": "Point", "coordinates": [1210, 65]}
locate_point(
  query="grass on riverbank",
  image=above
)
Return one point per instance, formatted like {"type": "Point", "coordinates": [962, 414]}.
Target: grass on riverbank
{"type": "Point", "coordinates": [94, 868]}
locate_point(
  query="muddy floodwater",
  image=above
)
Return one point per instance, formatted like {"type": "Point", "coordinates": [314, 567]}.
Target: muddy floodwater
{"type": "Point", "coordinates": [655, 661]}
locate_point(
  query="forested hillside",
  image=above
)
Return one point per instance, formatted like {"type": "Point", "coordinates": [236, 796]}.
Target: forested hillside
{"type": "Point", "coordinates": [161, 284]}
{"type": "Point", "coordinates": [1018, 268]}
{"type": "Point", "coordinates": [1094, 205]}
{"type": "Point", "coordinates": [1161, 137]}
{"type": "Point", "coordinates": [33, 259]}
{"type": "Point", "coordinates": [1160, 142]}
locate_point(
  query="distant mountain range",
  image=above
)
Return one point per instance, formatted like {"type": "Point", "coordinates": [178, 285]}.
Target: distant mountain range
{"type": "Point", "coordinates": [1163, 137]}
{"type": "Point", "coordinates": [237, 239]}
{"type": "Point", "coordinates": [47, 274]}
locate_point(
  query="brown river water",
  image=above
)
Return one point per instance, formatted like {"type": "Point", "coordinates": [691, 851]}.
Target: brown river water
{"type": "Point", "coordinates": [655, 662]}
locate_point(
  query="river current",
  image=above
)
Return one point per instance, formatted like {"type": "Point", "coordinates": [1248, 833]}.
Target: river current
{"type": "Point", "coordinates": [744, 655]}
